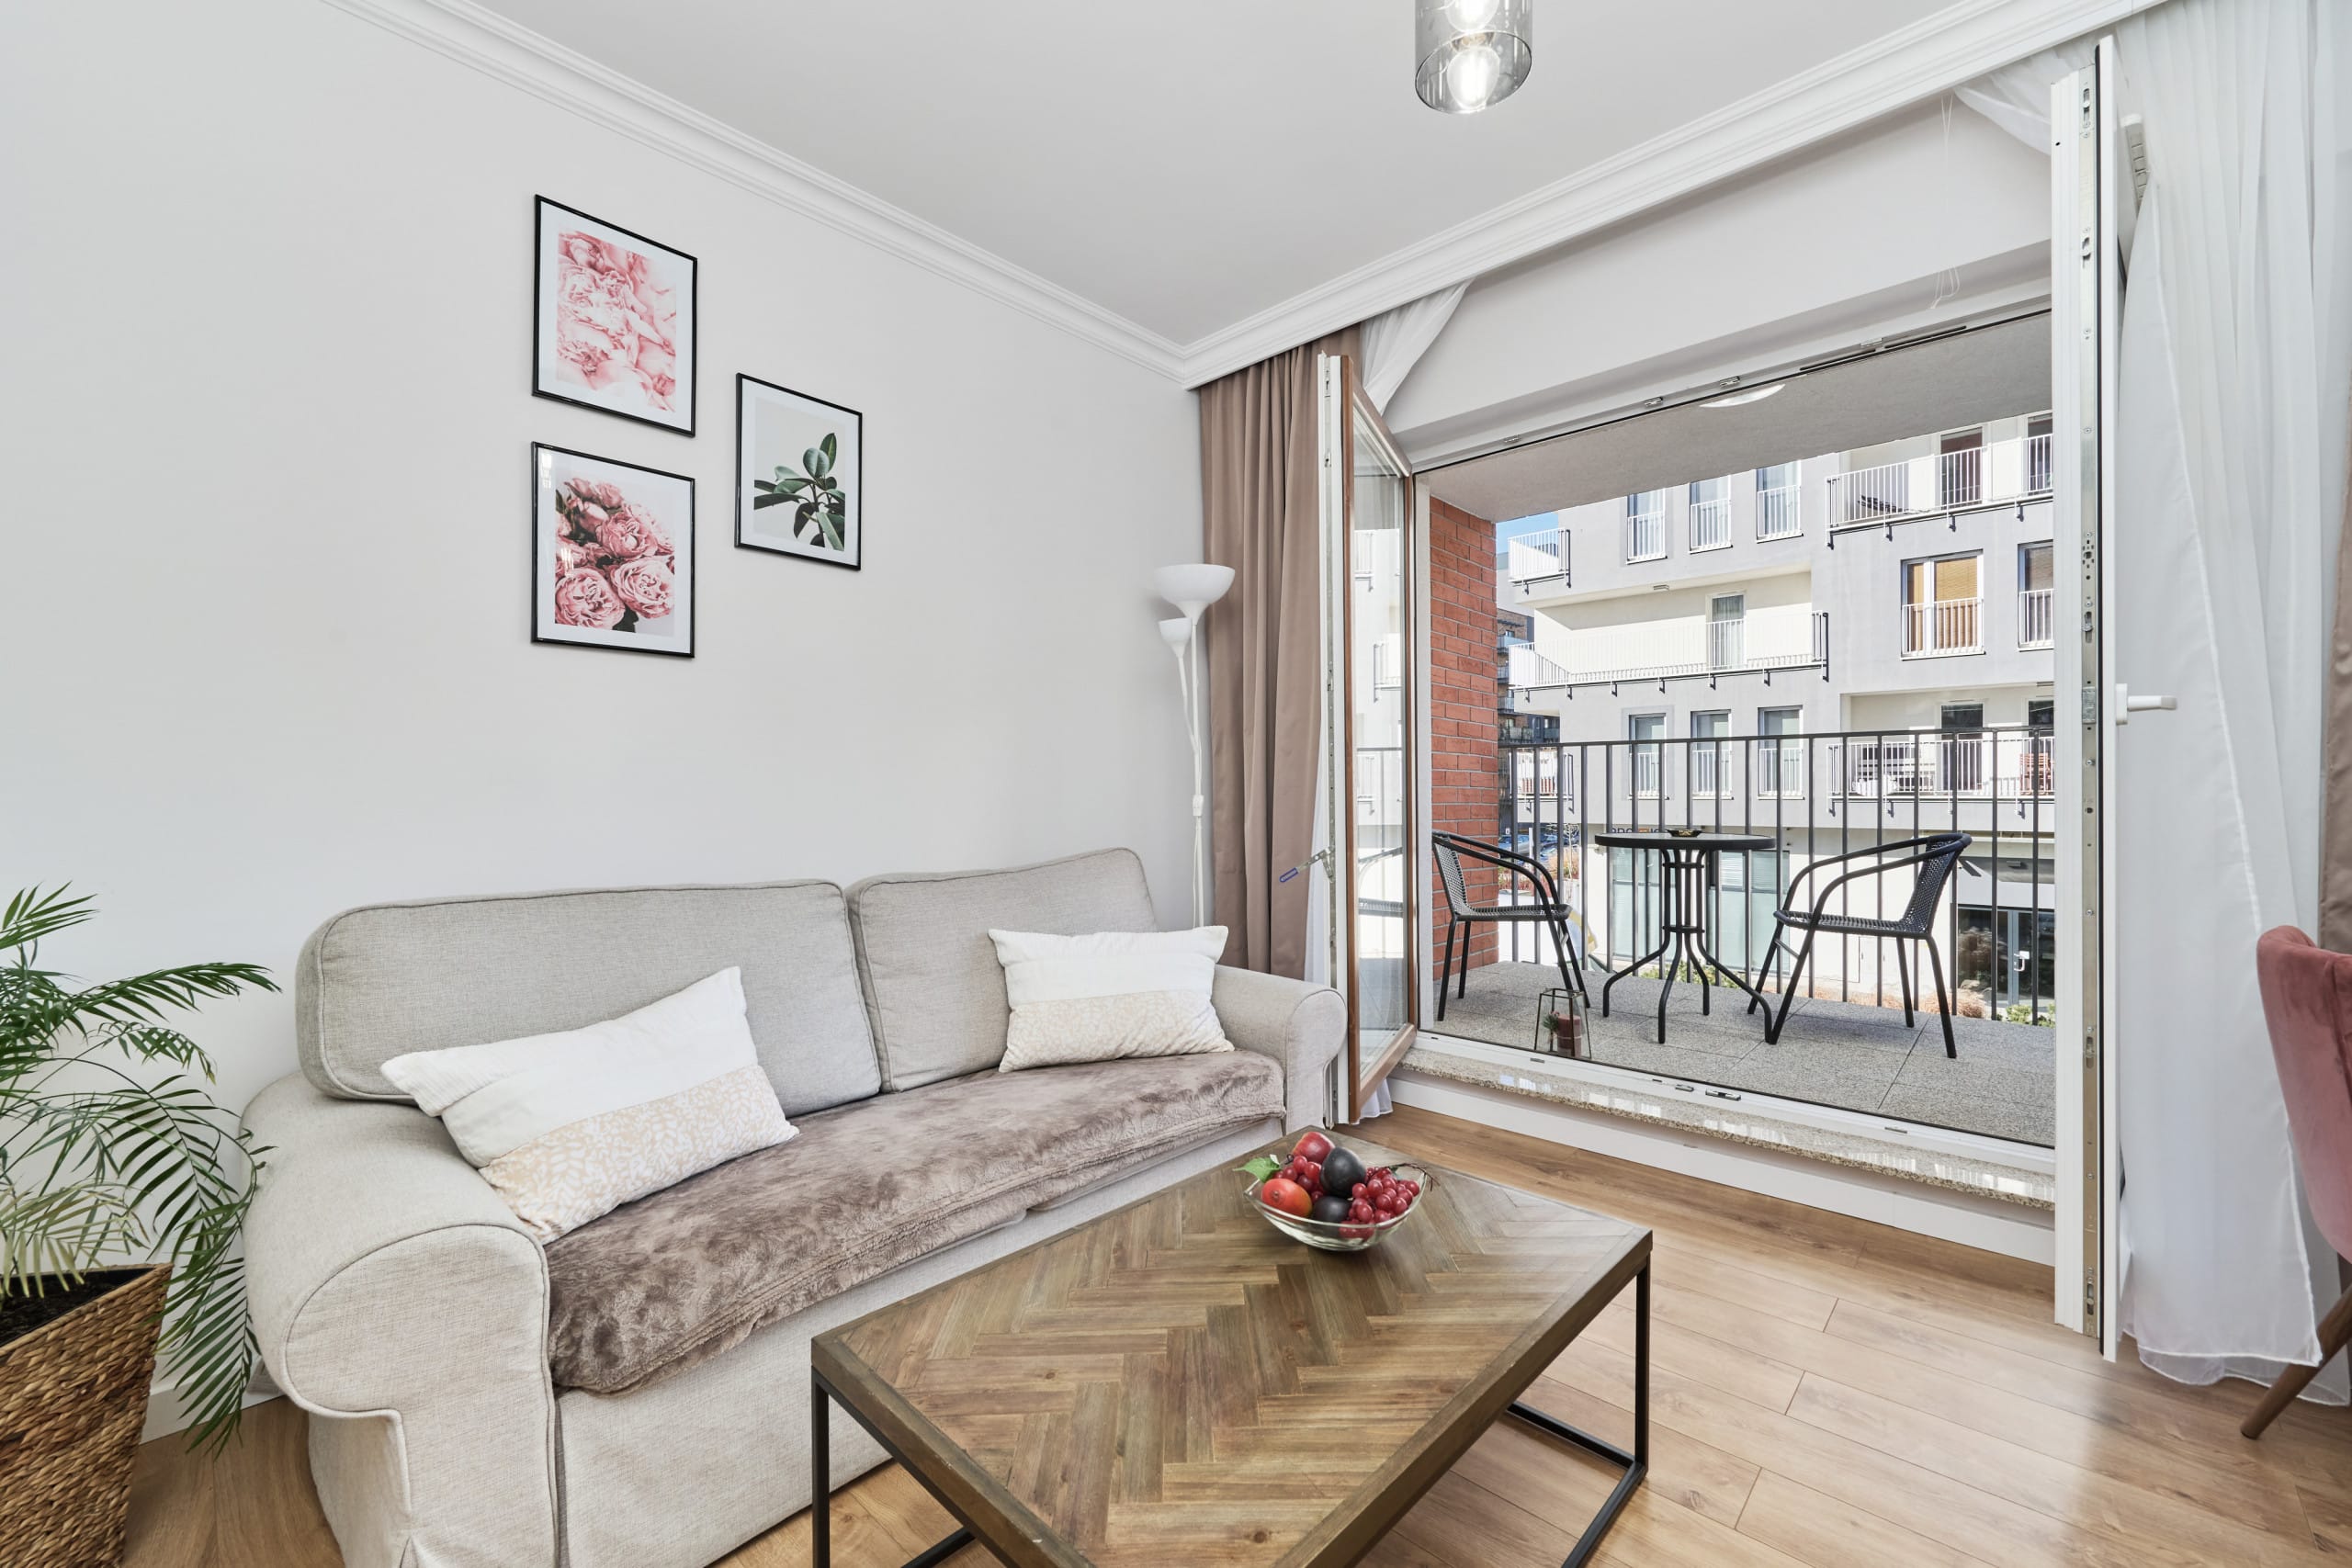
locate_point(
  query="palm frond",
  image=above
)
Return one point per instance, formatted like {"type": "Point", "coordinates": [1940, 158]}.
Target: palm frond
{"type": "Point", "coordinates": [99, 1163]}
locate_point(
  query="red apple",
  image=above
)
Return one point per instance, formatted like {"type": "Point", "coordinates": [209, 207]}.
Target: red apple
{"type": "Point", "coordinates": [1285, 1196]}
{"type": "Point", "coordinates": [1312, 1147]}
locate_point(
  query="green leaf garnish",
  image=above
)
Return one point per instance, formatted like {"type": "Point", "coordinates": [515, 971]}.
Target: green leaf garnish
{"type": "Point", "coordinates": [1261, 1167]}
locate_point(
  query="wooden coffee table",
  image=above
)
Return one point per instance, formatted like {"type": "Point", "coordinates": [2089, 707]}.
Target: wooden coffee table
{"type": "Point", "coordinates": [1177, 1383]}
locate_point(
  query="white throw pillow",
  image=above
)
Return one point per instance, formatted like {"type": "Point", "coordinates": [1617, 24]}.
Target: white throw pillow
{"type": "Point", "coordinates": [1091, 999]}
{"type": "Point", "coordinates": [569, 1126]}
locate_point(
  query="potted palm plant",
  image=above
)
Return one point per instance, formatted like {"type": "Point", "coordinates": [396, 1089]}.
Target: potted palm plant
{"type": "Point", "coordinates": [122, 1189]}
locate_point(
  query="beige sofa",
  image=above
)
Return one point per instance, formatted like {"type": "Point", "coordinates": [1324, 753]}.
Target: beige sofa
{"type": "Point", "coordinates": [637, 1392]}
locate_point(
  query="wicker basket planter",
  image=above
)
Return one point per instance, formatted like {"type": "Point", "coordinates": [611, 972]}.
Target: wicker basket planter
{"type": "Point", "coordinates": [72, 1403]}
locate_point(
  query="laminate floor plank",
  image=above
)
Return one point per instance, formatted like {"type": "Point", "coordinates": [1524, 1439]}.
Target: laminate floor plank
{"type": "Point", "coordinates": [1826, 1393]}
{"type": "Point", "coordinates": [2163, 1528]}
{"type": "Point", "coordinates": [1829, 1532]}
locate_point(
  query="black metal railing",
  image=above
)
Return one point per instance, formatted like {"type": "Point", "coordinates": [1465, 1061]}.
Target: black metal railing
{"type": "Point", "coordinates": [1814, 795]}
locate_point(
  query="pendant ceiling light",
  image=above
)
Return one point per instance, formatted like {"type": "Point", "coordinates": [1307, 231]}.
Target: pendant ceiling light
{"type": "Point", "coordinates": [1472, 54]}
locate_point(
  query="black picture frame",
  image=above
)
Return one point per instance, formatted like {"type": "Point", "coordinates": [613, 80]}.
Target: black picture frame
{"type": "Point", "coordinates": [689, 375]}
{"type": "Point", "coordinates": [851, 560]}
{"type": "Point", "coordinates": [542, 540]}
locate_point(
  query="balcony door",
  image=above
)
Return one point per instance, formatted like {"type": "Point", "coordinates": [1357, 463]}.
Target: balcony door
{"type": "Point", "coordinates": [2091, 205]}
{"type": "Point", "coordinates": [1371, 711]}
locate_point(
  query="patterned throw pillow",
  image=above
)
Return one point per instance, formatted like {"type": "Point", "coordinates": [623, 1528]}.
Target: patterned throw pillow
{"type": "Point", "coordinates": [569, 1126]}
{"type": "Point", "coordinates": [1090, 998]}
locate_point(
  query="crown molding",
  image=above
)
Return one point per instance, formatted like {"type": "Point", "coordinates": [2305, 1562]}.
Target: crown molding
{"type": "Point", "coordinates": [499, 48]}
{"type": "Point", "coordinates": [1933, 56]}
{"type": "Point", "coordinates": [1930, 56]}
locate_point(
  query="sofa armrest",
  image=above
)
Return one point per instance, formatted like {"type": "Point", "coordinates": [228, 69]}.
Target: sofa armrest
{"type": "Point", "coordinates": [389, 1281]}
{"type": "Point", "coordinates": [1300, 1025]}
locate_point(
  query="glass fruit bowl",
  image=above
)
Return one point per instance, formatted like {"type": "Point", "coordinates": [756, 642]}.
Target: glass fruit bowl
{"type": "Point", "coordinates": [1343, 1235]}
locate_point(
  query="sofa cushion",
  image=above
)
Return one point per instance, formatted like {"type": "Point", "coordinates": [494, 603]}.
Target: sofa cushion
{"type": "Point", "coordinates": [684, 1274]}
{"type": "Point", "coordinates": [382, 981]}
{"type": "Point", "coordinates": [933, 983]}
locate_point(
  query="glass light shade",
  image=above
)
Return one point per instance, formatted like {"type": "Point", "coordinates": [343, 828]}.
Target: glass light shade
{"type": "Point", "coordinates": [1471, 54]}
{"type": "Point", "coordinates": [1176, 632]}
{"type": "Point", "coordinates": [1192, 589]}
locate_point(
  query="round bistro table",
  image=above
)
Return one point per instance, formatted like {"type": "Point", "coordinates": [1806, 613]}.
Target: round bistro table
{"type": "Point", "coordinates": [1686, 870]}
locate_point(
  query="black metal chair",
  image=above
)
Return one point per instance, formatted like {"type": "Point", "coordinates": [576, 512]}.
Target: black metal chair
{"type": "Point", "coordinates": [1465, 913]}
{"type": "Point", "coordinates": [1935, 855]}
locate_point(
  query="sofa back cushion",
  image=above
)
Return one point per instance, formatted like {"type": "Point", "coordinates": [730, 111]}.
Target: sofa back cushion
{"type": "Point", "coordinates": [933, 986]}
{"type": "Point", "coordinates": [381, 981]}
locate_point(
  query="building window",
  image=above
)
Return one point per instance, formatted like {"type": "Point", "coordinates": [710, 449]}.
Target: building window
{"type": "Point", "coordinates": [1959, 468]}
{"type": "Point", "coordinates": [1645, 730]}
{"type": "Point", "coordinates": [1779, 754]}
{"type": "Point", "coordinates": [1646, 525]}
{"type": "Point", "coordinates": [1710, 513]}
{"type": "Point", "coordinates": [1726, 631]}
{"type": "Point", "coordinates": [1943, 606]}
{"type": "Point", "coordinates": [2036, 592]}
{"type": "Point", "coordinates": [1779, 515]}
{"type": "Point", "coordinates": [2037, 454]}
{"type": "Point", "coordinates": [1713, 765]}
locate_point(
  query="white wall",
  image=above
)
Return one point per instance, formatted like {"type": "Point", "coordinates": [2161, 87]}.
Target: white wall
{"type": "Point", "coordinates": [1826, 247]}
{"type": "Point", "coordinates": [268, 412]}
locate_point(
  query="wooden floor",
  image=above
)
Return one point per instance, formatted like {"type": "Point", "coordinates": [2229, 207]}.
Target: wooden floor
{"type": "Point", "coordinates": [1825, 1392]}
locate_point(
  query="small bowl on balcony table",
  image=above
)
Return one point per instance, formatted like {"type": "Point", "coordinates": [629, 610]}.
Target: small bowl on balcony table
{"type": "Point", "coordinates": [1343, 1236]}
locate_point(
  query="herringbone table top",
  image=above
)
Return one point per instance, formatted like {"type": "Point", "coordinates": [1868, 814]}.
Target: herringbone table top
{"type": "Point", "coordinates": [1176, 1382]}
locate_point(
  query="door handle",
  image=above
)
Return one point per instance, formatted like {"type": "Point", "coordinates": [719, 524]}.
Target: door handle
{"type": "Point", "coordinates": [2126, 705]}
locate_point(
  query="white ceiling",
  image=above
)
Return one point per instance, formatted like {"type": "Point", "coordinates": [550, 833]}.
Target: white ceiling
{"type": "Point", "coordinates": [1186, 163]}
{"type": "Point", "coordinates": [1989, 372]}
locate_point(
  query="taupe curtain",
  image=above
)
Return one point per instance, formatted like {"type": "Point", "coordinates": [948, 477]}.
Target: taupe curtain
{"type": "Point", "coordinates": [1258, 503]}
{"type": "Point", "coordinates": [2335, 821]}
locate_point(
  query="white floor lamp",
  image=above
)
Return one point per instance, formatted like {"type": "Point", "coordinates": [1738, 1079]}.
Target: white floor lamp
{"type": "Point", "coordinates": [1192, 589]}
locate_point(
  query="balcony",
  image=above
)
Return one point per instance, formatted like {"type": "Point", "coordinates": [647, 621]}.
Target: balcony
{"type": "Point", "coordinates": [1784, 637]}
{"type": "Point", "coordinates": [2035, 623]}
{"type": "Point", "coordinates": [1846, 1044]}
{"type": "Point", "coordinates": [1938, 482]}
{"type": "Point", "coordinates": [1541, 556]}
{"type": "Point", "coordinates": [1645, 535]}
{"type": "Point", "coordinates": [1942, 628]}
{"type": "Point", "coordinates": [1710, 523]}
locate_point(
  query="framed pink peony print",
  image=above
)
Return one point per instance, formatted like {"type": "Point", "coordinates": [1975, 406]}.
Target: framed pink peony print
{"type": "Point", "coordinates": [612, 554]}
{"type": "Point", "coordinates": [613, 321]}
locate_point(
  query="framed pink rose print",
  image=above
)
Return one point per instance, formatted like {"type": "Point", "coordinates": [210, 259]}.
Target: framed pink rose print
{"type": "Point", "coordinates": [613, 321]}
{"type": "Point", "coordinates": [612, 554]}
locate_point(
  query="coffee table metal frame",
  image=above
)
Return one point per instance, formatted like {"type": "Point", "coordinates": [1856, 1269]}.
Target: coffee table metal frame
{"type": "Point", "coordinates": [1686, 870]}
{"type": "Point", "coordinates": [1636, 1464]}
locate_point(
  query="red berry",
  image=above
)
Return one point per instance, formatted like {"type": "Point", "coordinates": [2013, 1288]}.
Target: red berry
{"type": "Point", "coordinates": [1315, 1174]}
{"type": "Point", "coordinates": [1413, 1189]}
{"type": "Point", "coordinates": [1360, 1211]}
{"type": "Point", "coordinates": [1359, 1189]}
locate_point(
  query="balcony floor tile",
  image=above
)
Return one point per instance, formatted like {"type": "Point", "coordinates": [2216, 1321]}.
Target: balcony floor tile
{"type": "Point", "coordinates": [1844, 1053]}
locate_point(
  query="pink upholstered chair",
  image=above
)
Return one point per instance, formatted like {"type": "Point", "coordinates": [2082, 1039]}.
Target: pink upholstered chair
{"type": "Point", "coordinates": [2306, 998]}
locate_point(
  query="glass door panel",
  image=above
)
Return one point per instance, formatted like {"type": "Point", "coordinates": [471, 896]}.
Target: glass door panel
{"type": "Point", "coordinates": [1371, 689]}
{"type": "Point", "coordinates": [1380, 716]}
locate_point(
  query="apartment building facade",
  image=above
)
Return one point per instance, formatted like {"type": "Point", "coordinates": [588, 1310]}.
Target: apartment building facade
{"type": "Point", "coordinates": [1836, 650]}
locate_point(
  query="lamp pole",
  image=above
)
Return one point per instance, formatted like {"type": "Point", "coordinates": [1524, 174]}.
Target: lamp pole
{"type": "Point", "coordinates": [1192, 589]}
{"type": "Point", "coordinates": [1181, 637]}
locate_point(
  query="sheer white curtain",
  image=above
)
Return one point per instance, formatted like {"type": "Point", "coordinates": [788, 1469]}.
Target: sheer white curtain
{"type": "Point", "coordinates": [2235, 365]}
{"type": "Point", "coordinates": [2017, 97]}
{"type": "Point", "coordinates": [1395, 341]}
{"type": "Point", "coordinates": [2230, 473]}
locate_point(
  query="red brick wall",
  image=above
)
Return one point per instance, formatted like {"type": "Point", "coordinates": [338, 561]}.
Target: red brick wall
{"type": "Point", "coordinates": [1464, 727]}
